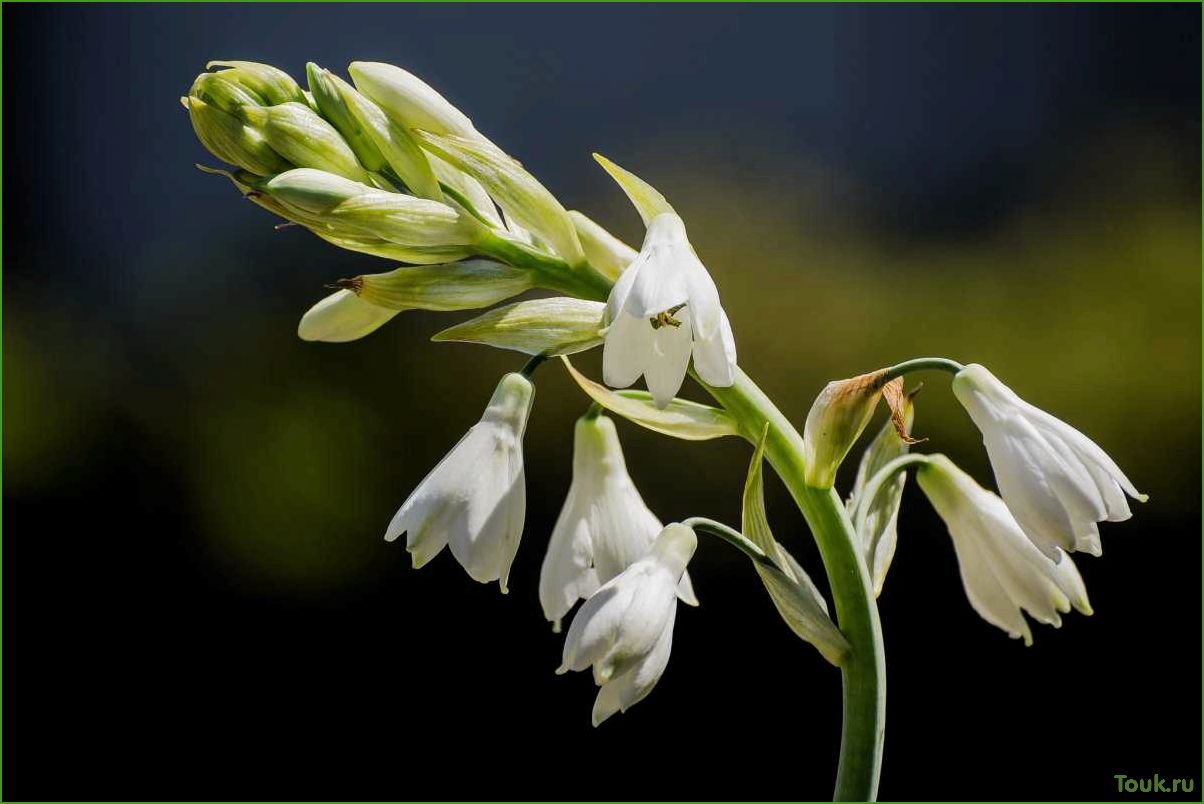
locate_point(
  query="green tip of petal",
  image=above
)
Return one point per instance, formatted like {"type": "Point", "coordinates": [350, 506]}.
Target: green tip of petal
{"type": "Point", "coordinates": [647, 199]}
{"type": "Point", "coordinates": [560, 671]}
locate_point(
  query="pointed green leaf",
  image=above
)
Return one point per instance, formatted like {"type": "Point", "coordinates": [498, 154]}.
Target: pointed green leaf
{"type": "Point", "coordinates": [682, 419]}
{"type": "Point", "coordinates": [791, 589]}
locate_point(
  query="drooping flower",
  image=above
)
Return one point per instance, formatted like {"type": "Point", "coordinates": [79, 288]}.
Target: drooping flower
{"type": "Point", "coordinates": [475, 499]}
{"type": "Point", "coordinates": [603, 528]}
{"type": "Point", "coordinates": [1002, 570]}
{"type": "Point", "coordinates": [625, 629]}
{"type": "Point", "coordinates": [1057, 482]}
{"type": "Point", "coordinates": [663, 308]}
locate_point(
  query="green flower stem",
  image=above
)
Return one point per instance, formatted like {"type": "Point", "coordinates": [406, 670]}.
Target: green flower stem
{"type": "Point", "coordinates": [582, 281]}
{"type": "Point", "coordinates": [880, 479]}
{"type": "Point", "coordinates": [922, 364]}
{"type": "Point", "coordinates": [733, 537]}
{"type": "Point", "coordinates": [864, 669]}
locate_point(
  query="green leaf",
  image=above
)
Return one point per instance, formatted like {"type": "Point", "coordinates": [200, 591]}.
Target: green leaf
{"type": "Point", "coordinates": [791, 589]}
{"type": "Point", "coordinates": [683, 419]}
{"type": "Point", "coordinates": [647, 199]}
{"type": "Point", "coordinates": [557, 326]}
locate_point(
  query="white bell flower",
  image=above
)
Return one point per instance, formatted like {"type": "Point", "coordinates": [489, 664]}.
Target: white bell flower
{"type": "Point", "coordinates": [1057, 482]}
{"type": "Point", "coordinates": [664, 307]}
{"type": "Point", "coordinates": [1002, 570]}
{"type": "Point", "coordinates": [625, 630]}
{"type": "Point", "coordinates": [603, 528]}
{"type": "Point", "coordinates": [476, 498]}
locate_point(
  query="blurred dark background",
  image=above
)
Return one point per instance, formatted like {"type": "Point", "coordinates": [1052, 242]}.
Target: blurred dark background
{"type": "Point", "coordinates": [199, 601]}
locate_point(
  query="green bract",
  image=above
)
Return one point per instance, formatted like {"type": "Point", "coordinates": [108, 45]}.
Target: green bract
{"type": "Point", "coordinates": [791, 589]}
{"type": "Point", "coordinates": [558, 326]}
{"type": "Point", "coordinates": [681, 418]}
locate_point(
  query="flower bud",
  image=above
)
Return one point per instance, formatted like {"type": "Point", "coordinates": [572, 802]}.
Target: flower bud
{"type": "Point", "coordinates": [466, 285]}
{"type": "Point", "coordinates": [330, 104]}
{"type": "Point", "coordinates": [408, 100]}
{"type": "Point", "coordinates": [394, 143]}
{"type": "Point", "coordinates": [404, 219]}
{"type": "Point", "coordinates": [314, 192]}
{"type": "Point", "coordinates": [837, 417]}
{"type": "Point", "coordinates": [516, 191]}
{"type": "Point", "coordinates": [300, 135]}
{"type": "Point", "coordinates": [342, 316]}
{"type": "Point", "coordinates": [225, 95]}
{"type": "Point", "coordinates": [271, 84]}
{"type": "Point", "coordinates": [228, 139]}
{"type": "Point", "coordinates": [605, 252]}
{"type": "Point", "coordinates": [557, 326]}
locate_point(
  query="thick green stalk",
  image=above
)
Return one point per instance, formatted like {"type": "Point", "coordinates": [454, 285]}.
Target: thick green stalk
{"type": "Point", "coordinates": [864, 670]}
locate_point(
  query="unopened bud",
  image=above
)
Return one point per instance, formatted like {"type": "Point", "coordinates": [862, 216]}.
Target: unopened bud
{"type": "Point", "coordinates": [395, 144]}
{"type": "Point", "coordinates": [226, 95]}
{"type": "Point", "coordinates": [837, 417]}
{"type": "Point", "coordinates": [330, 103]}
{"type": "Point", "coordinates": [315, 192]}
{"type": "Point", "coordinates": [271, 84]}
{"type": "Point", "coordinates": [607, 253]}
{"type": "Point", "coordinates": [228, 139]}
{"type": "Point", "coordinates": [405, 219]}
{"type": "Point", "coordinates": [408, 100]}
{"type": "Point", "coordinates": [300, 135]}
{"type": "Point", "coordinates": [466, 285]}
{"type": "Point", "coordinates": [516, 191]}
{"type": "Point", "coordinates": [340, 317]}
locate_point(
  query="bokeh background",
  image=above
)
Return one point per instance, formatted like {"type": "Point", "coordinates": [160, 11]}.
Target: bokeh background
{"type": "Point", "coordinates": [199, 602]}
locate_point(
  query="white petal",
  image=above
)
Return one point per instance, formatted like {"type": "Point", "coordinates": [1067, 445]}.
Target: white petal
{"type": "Point", "coordinates": [342, 316]}
{"type": "Point", "coordinates": [670, 358]}
{"type": "Point", "coordinates": [435, 508]}
{"type": "Point", "coordinates": [660, 283]}
{"type": "Point", "coordinates": [567, 572]}
{"type": "Point", "coordinates": [595, 625]}
{"type": "Point", "coordinates": [653, 602]}
{"type": "Point", "coordinates": [685, 590]}
{"type": "Point", "coordinates": [621, 693]}
{"type": "Point", "coordinates": [495, 507]}
{"type": "Point", "coordinates": [715, 356]}
{"type": "Point", "coordinates": [627, 350]}
{"type": "Point", "coordinates": [704, 297]}
{"type": "Point", "coordinates": [986, 594]}
{"type": "Point", "coordinates": [617, 299]}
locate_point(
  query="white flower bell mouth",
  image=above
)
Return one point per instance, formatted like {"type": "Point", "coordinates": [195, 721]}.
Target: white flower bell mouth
{"type": "Point", "coordinates": [603, 528]}
{"type": "Point", "coordinates": [625, 630]}
{"type": "Point", "coordinates": [663, 308]}
{"type": "Point", "coordinates": [1002, 570]}
{"type": "Point", "coordinates": [1056, 482]}
{"type": "Point", "coordinates": [476, 498]}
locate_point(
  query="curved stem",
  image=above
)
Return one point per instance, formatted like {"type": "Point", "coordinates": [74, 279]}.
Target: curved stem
{"type": "Point", "coordinates": [922, 364]}
{"type": "Point", "coordinates": [529, 367]}
{"type": "Point", "coordinates": [880, 479]}
{"type": "Point", "coordinates": [733, 537]}
{"type": "Point", "coordinates": [864, 669]}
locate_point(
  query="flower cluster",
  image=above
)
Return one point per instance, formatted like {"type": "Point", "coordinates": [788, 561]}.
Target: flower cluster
{"type": "Point", "coordinates": [384, 165]}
